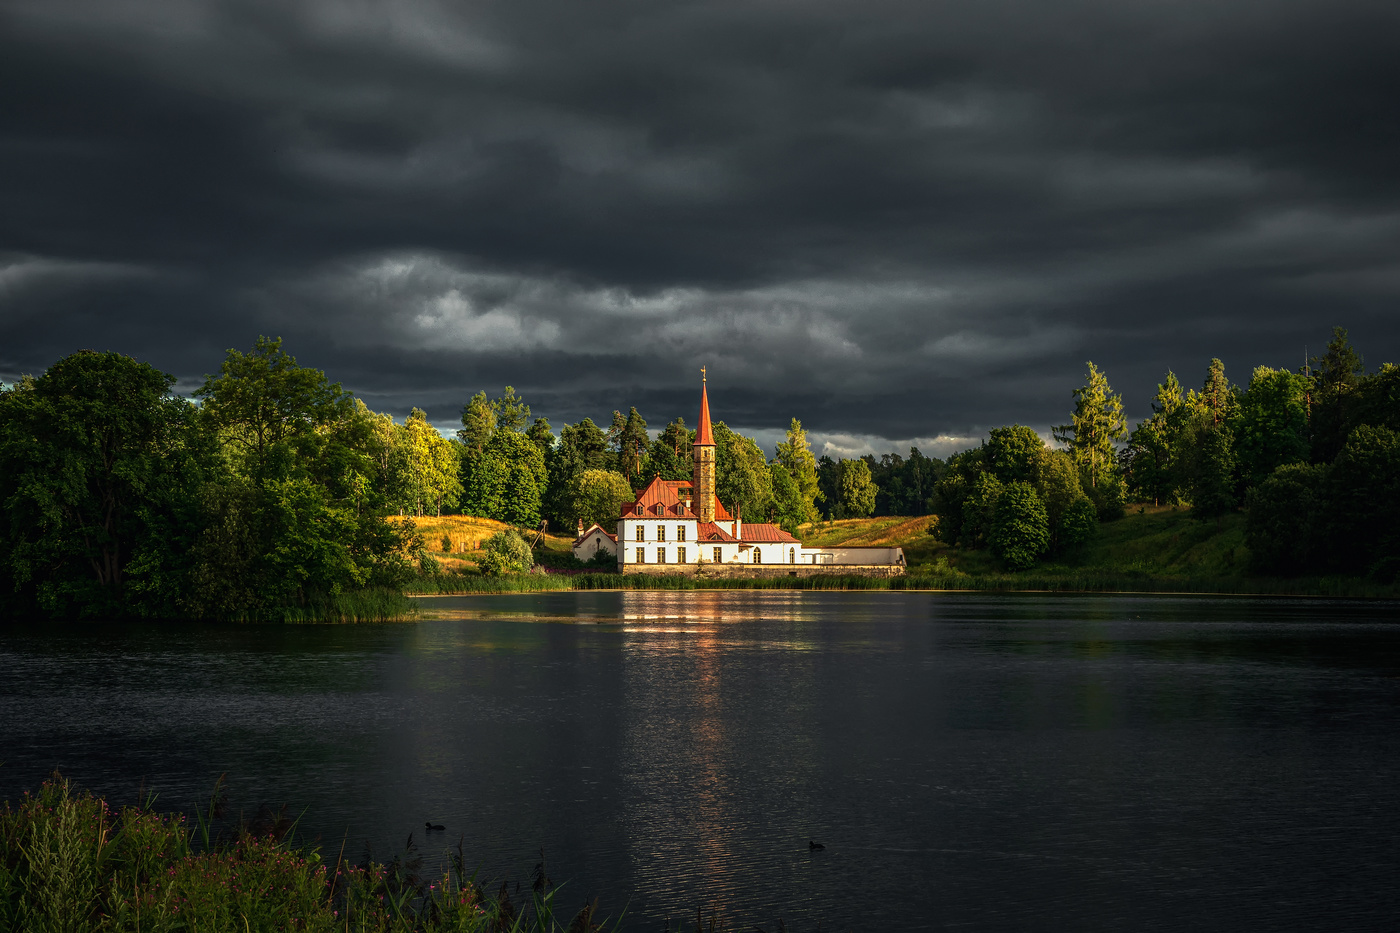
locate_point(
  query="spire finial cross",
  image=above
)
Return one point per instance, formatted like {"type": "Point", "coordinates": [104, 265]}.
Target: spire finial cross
{"type": "Point", "coordinates": [702, 374]}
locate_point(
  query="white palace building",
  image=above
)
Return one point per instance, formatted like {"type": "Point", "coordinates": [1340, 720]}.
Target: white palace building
{"type": "Point", "coordinates": [680, 526]}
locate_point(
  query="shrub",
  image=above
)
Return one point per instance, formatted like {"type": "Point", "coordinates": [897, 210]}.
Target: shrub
{"type": "Point", "coordinates": [505, 552]}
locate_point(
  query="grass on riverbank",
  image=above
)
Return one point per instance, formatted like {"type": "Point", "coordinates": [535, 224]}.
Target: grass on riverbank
{"type": "Point", "coordinates": [1150, 550]}
{"type": "Point", "coordinates": [373, 605]}
{"type": "Point", "coordinates": [69, 862]}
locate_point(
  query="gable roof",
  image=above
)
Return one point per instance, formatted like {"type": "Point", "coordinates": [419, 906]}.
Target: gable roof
{"type": "Point", "coordinates": [670, 494]}
{"type": "Point", "coordinates": [709, 531]}
{"type": "Point", "coordinates": [595, 527]}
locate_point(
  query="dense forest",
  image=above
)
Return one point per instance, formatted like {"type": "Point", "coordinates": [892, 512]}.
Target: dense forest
{"type": "Point", "coordinates": [273, 489]}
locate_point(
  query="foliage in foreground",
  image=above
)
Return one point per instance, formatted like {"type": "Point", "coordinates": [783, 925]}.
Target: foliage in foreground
{"type": "Point", "coordinates": [70, 863]}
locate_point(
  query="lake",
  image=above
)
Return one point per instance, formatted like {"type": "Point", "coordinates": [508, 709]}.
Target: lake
{"type": "Point", "coordinates": [996, 761]}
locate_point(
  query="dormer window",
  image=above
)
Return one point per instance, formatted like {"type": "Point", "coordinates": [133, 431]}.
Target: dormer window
{"type": "Point", "coordinates": [660, 509]}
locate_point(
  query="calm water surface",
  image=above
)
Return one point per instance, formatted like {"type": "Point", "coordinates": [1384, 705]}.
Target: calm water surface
{"type": "Point", "coordinates": [1005, 762]}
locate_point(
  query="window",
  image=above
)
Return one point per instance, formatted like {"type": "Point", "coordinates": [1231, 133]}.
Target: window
{"type": "Point", "coordinates": [757, 556]}
{"type": "Point", "coordinates": [792, 555]}
{"type": "Point", "coordinates": [680, 532]}
{"type": "Point", "coordinates": [641, 555]}
{"type": "Point", "coordinates": [660, 509]}
{"type": "Point", "coordinates": [661, 532]}
{"type": "Point", "coordinates": [680, 555]}
{"type": "Point", "coordinates": [641, 532]}
{"type": "Point", "coordinates": [661, 555]}
{"type": "Point", "coordinates": [719, 555]}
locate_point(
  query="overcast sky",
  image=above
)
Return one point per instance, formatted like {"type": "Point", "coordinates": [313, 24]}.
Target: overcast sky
{"type": "Point", "coordinates": [901, 222]}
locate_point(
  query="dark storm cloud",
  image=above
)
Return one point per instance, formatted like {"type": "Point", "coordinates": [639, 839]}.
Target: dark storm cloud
{"type": "Point", "coordinates": [895, 221]}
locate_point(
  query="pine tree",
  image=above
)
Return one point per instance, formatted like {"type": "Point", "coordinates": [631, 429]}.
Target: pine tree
{"type": "Point", "coordinates": [1096, 423]}
{"type": "Point", "coordinates": [512, 414]}
{"type": "Point", "coordinates": [478, 424]}
{"type": "Point", "coordinates": [796, 456]}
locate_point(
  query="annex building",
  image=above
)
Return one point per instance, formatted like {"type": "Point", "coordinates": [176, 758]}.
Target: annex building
{"type": "Point", "coordinates": [680, 526]}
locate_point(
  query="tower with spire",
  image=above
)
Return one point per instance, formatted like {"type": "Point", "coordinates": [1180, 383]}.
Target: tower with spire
{"type": "Point", "coordinates": [703, 475]}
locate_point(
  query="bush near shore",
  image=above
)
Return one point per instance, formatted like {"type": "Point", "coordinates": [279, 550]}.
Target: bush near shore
{"type": "Point", "coordinates": [69, 863]}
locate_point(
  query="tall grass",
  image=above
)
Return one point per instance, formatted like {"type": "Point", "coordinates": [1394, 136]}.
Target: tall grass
{"type": "Point", "coordinates": [942, 577]}
{"type": "Point", "coordinates": [70, 863]}
{"type": "Point", "coordinates": [370, 605]}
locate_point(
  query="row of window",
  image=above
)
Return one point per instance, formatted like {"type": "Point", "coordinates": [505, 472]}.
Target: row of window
{"type": "Point", "coordinates": [756, 555]}
{"type": "Point", "coordinates": [659, 509]}
{"type": "Point", "coordinates": [660, 532]}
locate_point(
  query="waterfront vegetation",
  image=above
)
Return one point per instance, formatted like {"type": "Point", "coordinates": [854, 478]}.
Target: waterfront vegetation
{"type": "Point", "coordinates": [276, 496]}
{"type": "Point", "coordinates": [70, 863]}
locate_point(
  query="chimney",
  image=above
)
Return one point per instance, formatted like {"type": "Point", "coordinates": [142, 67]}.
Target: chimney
{"type": "Point", "coordinates": [738, 521]}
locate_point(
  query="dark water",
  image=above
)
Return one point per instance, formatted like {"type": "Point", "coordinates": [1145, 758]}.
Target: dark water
{"type": "Point", "coordinates": [994, 762]}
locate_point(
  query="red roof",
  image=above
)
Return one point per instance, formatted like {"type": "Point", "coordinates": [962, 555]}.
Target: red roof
{"type": "Point", "coordinates": [670, 494]}
{"type": "Point", "coordinates": [589, 533]}
{"type": "Point", "coordinates": [702, 433]}
{"type": "Point", "coordinates": [763, 533]}
{"type": "Point", "coordinates": [709, 531]}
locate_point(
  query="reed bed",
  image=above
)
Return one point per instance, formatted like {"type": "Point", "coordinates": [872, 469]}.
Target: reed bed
{"type": "Point", "coordinates": [70, 863]}
{"type": "Point", "coordinates": [1066, 581]}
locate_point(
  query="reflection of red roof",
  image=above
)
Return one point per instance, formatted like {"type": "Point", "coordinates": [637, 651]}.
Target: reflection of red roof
{"type": "Point", "coordinates": [762, 533]}
{"type": "Point", "coordinates": [702, 433]}
{"type": "Point", "coordinates": [670, 494]}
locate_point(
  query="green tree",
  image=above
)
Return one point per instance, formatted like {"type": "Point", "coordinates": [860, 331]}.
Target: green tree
{"type": "Point", "coordinates": [1020, 527]}
{"type": "Point", "coordinates": [1270, 425]}
{"type": "Point", "coordinates": [1285, 520]}
{"type": "Point", "coordinates": [1153, 448]}
{"type": "Point", "coordinates": [1056, 482]}
{"type": "Point", "coordinates": [1213, 476]}
{"type": "Point", "coordinates": [99, 473]}
{"type": "Point", "coordinates": [789, 509]}
{"type": "Point", "coordinates": [478, 424]}
{"type": "Point", "coordinates": [1096, 424]}
{"type": "Point", "coordinates": [272, 412]}
{"type": "Point", "coordinates": [1012, 453]}
{"type": "Point", "coordinates": [795, 454]}
{"type": "Point", "coordinates": [978, 509]}
{"type": "Point", "coordinates": [512, 414]}
{"type": "Point", "coordinates": [432, 466]}
{"type": "Point", "coordinates": [1363, 504]}
{"type": "Point", "coordinates": [508, 480]}
{"type": "Point", "coordinates": [661, 460]}
{"type": "Point", "coordinates": [581, 446]}
{"type": "Point", "coordinates": [290, 526]}
{"type": "Point", "coordinates": [742, 478]}
{"type": "Point", "coordinates": [857, 490]}
{"type": "Point", "coordinates": [1340, 365]}
{"type": "Point", "coordinates": [629, 439]}
{"type": "Point", "coordinates": [541, 436]}
{"type": "Point", "coordinates": [596, 496]}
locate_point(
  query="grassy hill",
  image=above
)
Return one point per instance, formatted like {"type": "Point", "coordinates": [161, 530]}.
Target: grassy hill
{"type": "Point", "coordinates": [465, 533]}
{"type": "Point", "coordinates": [1152, 549]}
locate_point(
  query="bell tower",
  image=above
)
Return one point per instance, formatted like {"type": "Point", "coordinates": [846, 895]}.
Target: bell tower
{"type": "Point", "coordinates": [703, 479]}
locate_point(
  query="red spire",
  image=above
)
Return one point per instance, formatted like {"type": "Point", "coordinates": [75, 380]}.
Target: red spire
{"type": "Point", "coordinates": [702, 433]}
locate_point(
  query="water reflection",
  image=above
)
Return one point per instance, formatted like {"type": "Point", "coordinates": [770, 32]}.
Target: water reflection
{"type": "Point", "coordinates": [1001, 762]}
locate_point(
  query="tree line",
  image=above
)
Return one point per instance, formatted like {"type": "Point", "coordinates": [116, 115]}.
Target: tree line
{"type": "Point", "coordinates": [1312, 457]}
{"type": "Point", "coordinates": [273, 487]}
